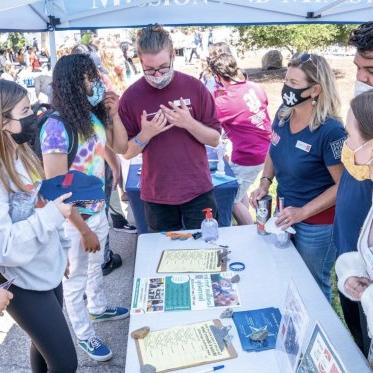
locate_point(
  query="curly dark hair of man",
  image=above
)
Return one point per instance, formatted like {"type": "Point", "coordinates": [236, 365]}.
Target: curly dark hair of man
{"type": "Point", "coordinates": [70, 96]}
{"type": "Point", "coordinates": [362, 38]}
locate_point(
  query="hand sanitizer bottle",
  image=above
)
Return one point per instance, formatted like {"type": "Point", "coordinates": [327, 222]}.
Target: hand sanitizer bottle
{"type": "Point", "coordinates": [209, 226]}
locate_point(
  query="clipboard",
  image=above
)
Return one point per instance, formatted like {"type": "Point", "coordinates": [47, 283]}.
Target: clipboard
{"type": "Point", "coordinates": [228, 351]}
{"type": "Point", "coordinates": [221, 268]}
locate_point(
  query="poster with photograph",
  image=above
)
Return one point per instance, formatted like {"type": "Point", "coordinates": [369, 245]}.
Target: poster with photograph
{"type": "Point", "coordinates": [184, 292]}
{"type": "Point", "coordinates": [148, 295]}
{"type": "Point", "coordinates": [320, 356]}
{"type": "Point", "coordinates": [293, 328]}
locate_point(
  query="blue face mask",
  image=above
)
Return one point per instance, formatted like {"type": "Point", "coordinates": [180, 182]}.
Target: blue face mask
{"type": "Point", "coordinates": [98, 95]}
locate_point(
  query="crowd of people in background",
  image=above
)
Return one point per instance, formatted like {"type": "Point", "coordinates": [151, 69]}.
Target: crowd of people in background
{"type": "Point", "coordinates": [323, 168]}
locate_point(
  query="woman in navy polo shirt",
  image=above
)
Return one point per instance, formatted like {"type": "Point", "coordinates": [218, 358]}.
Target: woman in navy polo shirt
{"type": "Point", "coordinates": [305, 157]}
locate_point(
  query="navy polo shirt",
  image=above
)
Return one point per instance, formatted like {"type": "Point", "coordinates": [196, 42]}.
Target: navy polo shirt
{"type": "Point", "coordinates": [354, 199]}
{"type": "Point", "coordinates": [300, 160]}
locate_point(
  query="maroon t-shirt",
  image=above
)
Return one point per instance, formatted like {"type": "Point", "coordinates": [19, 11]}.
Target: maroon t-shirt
{"type": "Point", "coordinates": [175, 168]}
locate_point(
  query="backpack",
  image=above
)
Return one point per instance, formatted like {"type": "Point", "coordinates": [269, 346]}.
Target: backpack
{"type": "Point", "coordinates": [44, 112]}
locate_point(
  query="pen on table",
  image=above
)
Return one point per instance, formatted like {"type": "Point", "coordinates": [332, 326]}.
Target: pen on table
{"type": "Point", "coordinates": [213, 369]}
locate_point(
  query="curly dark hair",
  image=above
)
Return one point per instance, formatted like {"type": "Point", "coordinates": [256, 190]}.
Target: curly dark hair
{"type": "Point", "coordinates": [70, 96]}
{"type": "Point", "coordinates": [362, 38]}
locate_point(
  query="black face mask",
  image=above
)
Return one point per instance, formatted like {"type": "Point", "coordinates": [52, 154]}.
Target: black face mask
{"type": "Point", "coordinates": [292, 96]}
{"type": "Point", "coordinates": [28, 129]}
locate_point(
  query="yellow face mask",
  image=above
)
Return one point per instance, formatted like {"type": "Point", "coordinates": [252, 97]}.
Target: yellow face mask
{"type": "Point", "coordinates": [358, 172]}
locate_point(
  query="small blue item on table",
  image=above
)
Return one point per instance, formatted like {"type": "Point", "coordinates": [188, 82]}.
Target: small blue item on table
{"type": "Point", "coordinates": [255, 324]}
{"type": "Point", "coordinates": [213, 369]}
{"type": "Point", "coordinates": [84, 188]}
{"type": "Point", "coordinates": [237, 266]}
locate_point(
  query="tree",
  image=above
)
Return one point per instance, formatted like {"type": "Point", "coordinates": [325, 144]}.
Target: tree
{"type": "Point", "coordinates": [343, 33]}
{"type": "Point", "coordinates": [295, 38]}
{"type": "Point", "coordinates": [16, 40]}
{"type": "Point", "coordinates": [86, 38]}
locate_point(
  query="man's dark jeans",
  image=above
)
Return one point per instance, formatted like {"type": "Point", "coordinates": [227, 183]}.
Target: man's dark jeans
{"type": "Point", "coordinates": [189, 215]}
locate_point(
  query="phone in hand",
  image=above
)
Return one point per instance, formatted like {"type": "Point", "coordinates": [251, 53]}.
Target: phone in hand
{"type": "Point", "coordinates": [150, 116]}
{"type": "Point", "coordinates": [6, 285]}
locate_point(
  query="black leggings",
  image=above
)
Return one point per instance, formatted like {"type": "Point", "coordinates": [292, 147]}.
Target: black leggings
{"type": "Point", "coordinates": [39, 314]}
{"type": "Point", "coordinates": [357, 322]}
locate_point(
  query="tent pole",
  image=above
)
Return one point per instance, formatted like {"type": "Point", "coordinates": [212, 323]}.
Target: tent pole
{"type": "Point", "coordinates": [52, 48]}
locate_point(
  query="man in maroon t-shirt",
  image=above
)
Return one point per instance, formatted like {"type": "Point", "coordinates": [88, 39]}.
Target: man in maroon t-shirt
{"type": "Point", "coordinates": [170, 117]}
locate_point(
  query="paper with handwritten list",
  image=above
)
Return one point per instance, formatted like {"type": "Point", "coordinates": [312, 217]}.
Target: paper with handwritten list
{"type": "Point", "coordinates": [189, 261]}
{"type": "Point", "coordinates": [182, 347]}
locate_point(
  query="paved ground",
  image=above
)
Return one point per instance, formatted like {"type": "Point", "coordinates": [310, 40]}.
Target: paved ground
{"type": "Point", "coordinates": [14, 344]}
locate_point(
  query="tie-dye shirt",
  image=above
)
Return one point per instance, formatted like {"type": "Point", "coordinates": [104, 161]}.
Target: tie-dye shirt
{"type": "Point", "coordinates": [89, 158]}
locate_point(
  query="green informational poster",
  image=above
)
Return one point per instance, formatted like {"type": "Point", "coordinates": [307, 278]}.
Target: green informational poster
{"type": "Point", "coordinates": [184, 292]}
{"type": "Point", "coordinates": [177, 293]}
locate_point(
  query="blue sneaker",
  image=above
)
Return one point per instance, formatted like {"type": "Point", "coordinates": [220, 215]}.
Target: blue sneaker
{"type": "Point", "coordinates": [95, 349]}
{"type": "Point", "coordinates": [111, 313]}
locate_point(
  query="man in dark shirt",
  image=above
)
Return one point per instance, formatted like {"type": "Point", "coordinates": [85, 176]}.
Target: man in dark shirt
{"type": "Point", "coordinates": [170, 117]}
{"type": "Point", "coordinates": [354, 198]}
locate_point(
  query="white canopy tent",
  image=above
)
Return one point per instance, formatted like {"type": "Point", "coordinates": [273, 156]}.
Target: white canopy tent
{"type": "Point", "coordinates": [51, 15]}
{"type": "Point", "coordinates": [39, 15]}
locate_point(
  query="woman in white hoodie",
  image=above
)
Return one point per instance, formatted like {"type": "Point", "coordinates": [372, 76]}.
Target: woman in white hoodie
{"type": "Point", "coordinates": [32, 244]}
{"type": "Point", "coordinates": [355, 269]}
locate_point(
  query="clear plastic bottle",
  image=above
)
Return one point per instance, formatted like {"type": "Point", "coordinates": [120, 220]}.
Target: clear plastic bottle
{"type": "Point", "coordinates": [220, 151]}
{"type": "Point", "coordinates": [209, 226]}
{"type": "Point", "coordinates": [282, 238]}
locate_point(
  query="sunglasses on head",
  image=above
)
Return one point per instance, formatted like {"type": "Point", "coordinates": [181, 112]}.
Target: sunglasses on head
{"type": "Point", "coordinates": [306, 57]}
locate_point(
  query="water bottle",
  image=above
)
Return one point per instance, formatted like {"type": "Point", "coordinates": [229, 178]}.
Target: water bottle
{"type": "Point", "coordinates": [209, 226]}
{"type": "Point", "coordinates": [220, 150]}
{"type": "Point", "coordinates": [282, 238]}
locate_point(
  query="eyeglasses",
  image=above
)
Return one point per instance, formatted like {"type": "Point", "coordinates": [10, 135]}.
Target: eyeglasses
{"type": "Point", "coordinates": [161, 70]}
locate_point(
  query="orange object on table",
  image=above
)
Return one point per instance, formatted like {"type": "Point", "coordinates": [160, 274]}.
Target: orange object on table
{"type": "Point", "coordinates": [178, 236]}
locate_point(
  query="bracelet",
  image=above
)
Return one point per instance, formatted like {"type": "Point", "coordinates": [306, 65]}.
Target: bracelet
{"type": "Point", "coordinates": [266, 178]}
{"type": "Point", "coordinates": [139, 143]}
{"type": "Point", "coordinates": [237, 266]}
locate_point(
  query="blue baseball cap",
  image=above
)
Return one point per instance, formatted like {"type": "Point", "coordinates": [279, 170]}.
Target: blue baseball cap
{"type": "Point", "coordinates": [84, 188]}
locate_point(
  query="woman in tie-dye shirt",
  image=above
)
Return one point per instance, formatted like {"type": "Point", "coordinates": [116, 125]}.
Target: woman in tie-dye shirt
{"type": "Point", "coordinates": [90, 154]}
{"type": "Point", "coordinates": [80, 100]}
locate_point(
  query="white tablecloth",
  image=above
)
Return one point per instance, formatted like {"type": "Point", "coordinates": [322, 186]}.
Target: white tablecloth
{"type": "Point", "coordinates": [263, 284]}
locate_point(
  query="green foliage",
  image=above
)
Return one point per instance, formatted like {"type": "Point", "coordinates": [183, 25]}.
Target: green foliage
{"type": "Point", "coordinates": [343, 33]}
{"type": "Point", "coordinates": [86, 38]}
{"type": "Point", "coordinates": [295, 38]}
{"type": "Point", "coordinates": [16, 40]}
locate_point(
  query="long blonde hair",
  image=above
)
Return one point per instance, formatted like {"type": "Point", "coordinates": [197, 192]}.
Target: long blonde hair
{"type": "Point", "coordinates": [10, 94]}
{"type": "Point", "coordinates": [107, 59]}
{"type": "Point", "coordinates": [317, 71]}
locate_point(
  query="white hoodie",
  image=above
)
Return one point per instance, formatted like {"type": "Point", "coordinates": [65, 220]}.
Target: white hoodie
{"type": "Point", "coordinates": [33, 248]}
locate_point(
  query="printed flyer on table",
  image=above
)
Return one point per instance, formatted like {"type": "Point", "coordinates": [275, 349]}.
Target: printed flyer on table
{"type": "Point", "coordinates": [184, 292]}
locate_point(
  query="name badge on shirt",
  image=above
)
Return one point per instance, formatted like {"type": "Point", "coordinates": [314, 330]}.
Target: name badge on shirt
{"type": "Point", "coordinates": [303, 146]}
{"type": "Point", "coordinates": [186, 102]}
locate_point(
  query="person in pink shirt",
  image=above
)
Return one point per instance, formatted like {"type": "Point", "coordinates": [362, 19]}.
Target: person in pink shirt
{"type": "Point", "coordinates": [242, 110]}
